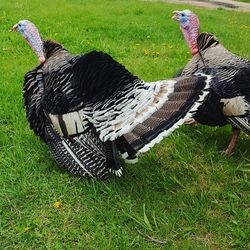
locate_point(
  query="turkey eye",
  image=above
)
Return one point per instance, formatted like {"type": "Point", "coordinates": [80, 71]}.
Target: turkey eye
{"type": "Point", "coordinates": [182, 14]}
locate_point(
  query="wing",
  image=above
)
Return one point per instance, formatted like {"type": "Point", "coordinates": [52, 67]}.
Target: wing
{"type": "Point", "coordinates": [33, 89]}
{"type": "Point", "coordinates": [83, 154]}
{"type": "Point", "coordinates": [207, 41]}
{"type": "Point", "coordinates": [111, 98]}
{"type": "Point", "coordinates": [75, 91]}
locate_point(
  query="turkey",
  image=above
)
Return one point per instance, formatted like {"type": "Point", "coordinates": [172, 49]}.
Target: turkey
{"type": "Point", "coordinates": [89, 109]}
{"type": "Point", "coordinates": [229, 99]}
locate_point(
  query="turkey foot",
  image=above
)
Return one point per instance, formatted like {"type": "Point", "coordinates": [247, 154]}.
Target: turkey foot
{"type": "Point", "coordinates": [232, 143]}
{"type": "Point", "coordinates": [190, 121]}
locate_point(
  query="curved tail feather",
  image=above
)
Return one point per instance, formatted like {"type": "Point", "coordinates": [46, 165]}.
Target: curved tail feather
{"type": "Point", "coordinates": [189, 93]}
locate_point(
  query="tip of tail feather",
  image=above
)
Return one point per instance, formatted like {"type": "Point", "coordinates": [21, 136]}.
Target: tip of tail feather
{"type": "Point", "coordinates": [118, 172]}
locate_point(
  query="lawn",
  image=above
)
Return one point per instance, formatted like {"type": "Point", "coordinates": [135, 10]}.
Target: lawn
{"type": "Point", "coordinates": [183, 194]}
{"type": "Point", "coordinates": [246, 1]}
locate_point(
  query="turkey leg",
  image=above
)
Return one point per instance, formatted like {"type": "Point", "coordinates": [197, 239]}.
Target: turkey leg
{"type": "Point", "coordinates": [232, 143]}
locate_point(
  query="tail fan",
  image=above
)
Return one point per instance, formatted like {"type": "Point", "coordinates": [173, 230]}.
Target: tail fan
{"type": "Point", "coordinates": [189, 93]}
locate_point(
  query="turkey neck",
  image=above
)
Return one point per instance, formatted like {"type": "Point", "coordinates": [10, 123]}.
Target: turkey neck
{"type": "Point", "coordinates": [56, 57]}
{"type": "Point", "coordinates": [52, 49]}
{"type": "Point", "coordinates": [191, 33]}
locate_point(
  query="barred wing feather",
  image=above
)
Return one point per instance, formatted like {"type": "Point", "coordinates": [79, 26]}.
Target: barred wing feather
{"type": "Point", "coordinates": [114, 100]}
{"type": "Point", "coordinates": [82, 154]}
{"type": "Point", "coordinates": [80, 105]}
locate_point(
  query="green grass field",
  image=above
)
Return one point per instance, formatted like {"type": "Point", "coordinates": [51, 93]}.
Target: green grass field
{"type": "Point", "coordinates": [246, 1]}
{"type": "Point", "coordinates": [183, 194]}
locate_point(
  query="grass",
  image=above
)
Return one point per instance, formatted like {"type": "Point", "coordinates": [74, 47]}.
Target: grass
{"type": "Point", "coordinates": [183, 194]}
{"type": "Point", "coordinates": [246, 1]}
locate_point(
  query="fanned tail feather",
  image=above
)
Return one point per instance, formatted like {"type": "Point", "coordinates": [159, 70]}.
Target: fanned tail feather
{"type": "Point", "coordinates": [189, 93]}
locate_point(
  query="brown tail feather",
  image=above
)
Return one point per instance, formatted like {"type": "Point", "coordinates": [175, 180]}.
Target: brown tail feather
{"type": "Point", "coordinates": [189, 93]}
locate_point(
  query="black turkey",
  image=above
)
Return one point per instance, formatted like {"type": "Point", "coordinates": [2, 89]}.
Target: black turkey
{"type": "Point", "coordinates": [88, 108]}
{"type": "Point", "coordinates": [229, 99]}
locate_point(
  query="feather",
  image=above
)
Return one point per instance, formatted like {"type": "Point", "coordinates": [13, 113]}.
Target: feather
{"type": "Point", "coordinates": [81, 155]}
{"type": "Point", "coordinates": [172, 114]}
{"type": "Point", "coordinates": [236, 106]}
{"type": "Point", "coordinates": [85, 106]}
{"type": "Point", "coordinates": [241, 123]}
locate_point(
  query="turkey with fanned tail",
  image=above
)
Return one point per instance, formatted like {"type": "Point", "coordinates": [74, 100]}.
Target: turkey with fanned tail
{"type": "Point", "coordinates": [229, 98]}
{"type": "Point", "coordinates": [89, 108]}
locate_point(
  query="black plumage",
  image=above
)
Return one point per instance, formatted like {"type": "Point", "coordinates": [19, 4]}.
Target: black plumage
{"type": "Point", "coordinates": [87, 108]}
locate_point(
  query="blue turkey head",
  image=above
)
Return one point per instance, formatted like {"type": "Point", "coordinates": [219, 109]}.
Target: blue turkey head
{"type": "Point", "coordinates": [29, 31]}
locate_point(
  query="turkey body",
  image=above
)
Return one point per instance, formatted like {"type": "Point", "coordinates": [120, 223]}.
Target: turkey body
{"type": "Point", "coordinates": [51, 91]}
{"type": "Point", "coordinates": [229, 99]}
{"type": "Point", "coordinates": [88, 108]}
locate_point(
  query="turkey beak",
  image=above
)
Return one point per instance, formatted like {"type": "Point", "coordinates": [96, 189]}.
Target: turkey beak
{"type": "Point", "coordinates": [14, 28]}
{"type": "Point", "coordinates": [176, 15]}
